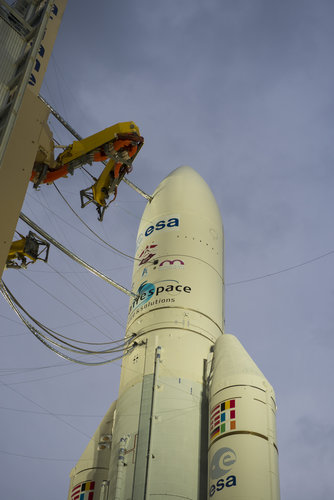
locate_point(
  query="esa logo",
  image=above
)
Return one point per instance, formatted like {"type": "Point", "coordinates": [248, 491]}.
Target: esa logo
{"type": "Point", "coordinates": [170, 223]}
{"type": "Point", "coordinates": [162, 224]}
{"type": "Point", "coordinates": [221, 464]}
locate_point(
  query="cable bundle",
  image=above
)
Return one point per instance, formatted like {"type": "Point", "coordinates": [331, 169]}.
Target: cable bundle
{"type": "Point", "coordinates": [50, 338]}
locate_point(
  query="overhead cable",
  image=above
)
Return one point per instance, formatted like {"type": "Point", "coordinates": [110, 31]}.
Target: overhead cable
{"type": "Point", "coordinates": [65, 304]}
{"type": "Point", "coordinates": [65, 221]}
{"type": "Point", "coordinates": [60, 119]}
{"type": "Point", "coordinates": [38, 458]}
{"type": "Point", "coordinates": [48, 342]}
{"type": "Point", "coordinates": [56, 335]}
{"type": "Point", "coordinates": [284, 270]}
{"type": "Point", "coordinates": [20, 410]}
{"type": "Point", "coordinates": [73, 256]}
{"type": "Point", "coordinates": [109, 313]}
{"type": "Point", "coordinates": [89, 228]}
{"type": "Point", "coordinates": [24, 396]}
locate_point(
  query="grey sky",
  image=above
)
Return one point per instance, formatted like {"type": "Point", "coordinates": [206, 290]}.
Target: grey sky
{"type": "Point", "coordinates": [243, 92]}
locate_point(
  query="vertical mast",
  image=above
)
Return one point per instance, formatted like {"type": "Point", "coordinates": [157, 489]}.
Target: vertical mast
{"type": "Point", "coordinates": [28, 31]}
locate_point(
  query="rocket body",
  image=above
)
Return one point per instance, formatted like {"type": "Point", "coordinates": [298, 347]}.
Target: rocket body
{"type": "Point", "coordinates": [177, 318]}
{"type": "Point", "coordinates": [161, 444]}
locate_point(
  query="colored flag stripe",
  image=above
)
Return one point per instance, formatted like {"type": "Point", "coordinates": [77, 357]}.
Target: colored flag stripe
{"type": "Point", "coordinates": [213, 415]}
{"type": "Point", "coordinates": [216, 419]}
{"type": "Point", "coordinates": [89, 485]}
{"type": "Point", "coordinates": [78, 492]}
{"type": "Point", "coordinates": [222, 418]}
{"type": "Point", "coordinates": [216, 412]}
{"type": "Point", "coordinates": [226, 405]}
{"type": "Point", "coordinates": [216, 407]}
{"type": "Point", "coordinates": [214, 432]}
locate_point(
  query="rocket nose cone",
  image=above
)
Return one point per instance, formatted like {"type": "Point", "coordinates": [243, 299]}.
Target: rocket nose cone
{"type": "Point", "coordinates": [184, 189]}
{"type": "Point", "coordinates": [180, 248]}
{"type": "Point", "coordinates": [184, 171]}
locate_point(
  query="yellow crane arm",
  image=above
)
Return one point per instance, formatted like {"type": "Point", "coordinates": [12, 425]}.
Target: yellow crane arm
{"type": "Point", "coordinates": [98, 144]}
{"type": "Point", "coordinates": [29, 247]}
{"type": "Point", "coordinates": [109, 143]}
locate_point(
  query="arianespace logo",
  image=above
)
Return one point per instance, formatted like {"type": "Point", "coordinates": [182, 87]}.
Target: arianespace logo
{"type": "Point", "coordinates": [160, 292]}
{"type": "Point", "coordinates": [159, 225]}
{"type": "Point", "coordinates": [221, 465]}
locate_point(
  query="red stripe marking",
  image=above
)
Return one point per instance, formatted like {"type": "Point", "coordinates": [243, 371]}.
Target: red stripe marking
{"type": "Point", "coordinates": [215, 408]}
{"type": "Point", "coordinates": [215, 422]}
{"type": "Point", "coordinates": [213, 426]}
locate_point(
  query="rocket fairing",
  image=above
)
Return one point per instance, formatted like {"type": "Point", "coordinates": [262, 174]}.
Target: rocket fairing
{"type": "Point", "coordinates": [242, 443]}
{"type": "Point", "coordinates": [164, 444]}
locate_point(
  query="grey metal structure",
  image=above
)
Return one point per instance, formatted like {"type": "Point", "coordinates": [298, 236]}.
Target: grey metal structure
{"type": "Point", "coordinates": [28, 29]}
{"type": "Point", "coordinates": [22, 28]}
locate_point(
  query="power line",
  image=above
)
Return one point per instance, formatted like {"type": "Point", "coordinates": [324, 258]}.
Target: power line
{"type": "Point", "coordinates": [46, 413]}
{"type": "Point", "coordinates": [20, 382]}
{"type": "Point", "coordinates": [284, 270]}
{"type": "Point", "coordinates": [45, 409]}
{"type": "Point", "coordinates": [73, 256]}
{"type": "Point", "coordinates": [39, 458]}
{"type": "Point", "coordinates": [89, 228]}
{"type": "Point", "coordinates": [87, 296]}
{"type": "Point", "coordinates": [50, 338]}
{"type": "Point", "coordinates": [64, 304]}
{"type": "Point", "coordinates": [66, 222]}
{"type": "Point", "coordinates": [28, 369]}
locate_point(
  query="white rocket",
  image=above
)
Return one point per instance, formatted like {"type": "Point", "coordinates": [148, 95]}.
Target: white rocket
{"type": "Point", "coordinates": [195, 417]}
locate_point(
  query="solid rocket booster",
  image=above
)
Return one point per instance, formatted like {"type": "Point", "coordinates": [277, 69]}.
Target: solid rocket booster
{"type": "Point", "coordinates": [163, 444]}
{"type": "Point", "coordinates": [243, 455]}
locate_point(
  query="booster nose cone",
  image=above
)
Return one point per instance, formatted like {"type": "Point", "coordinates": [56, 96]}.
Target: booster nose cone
{"type": "Point", "coordinates": [242, 426]}
{"type": "Point", "coordinates": [180, 253]}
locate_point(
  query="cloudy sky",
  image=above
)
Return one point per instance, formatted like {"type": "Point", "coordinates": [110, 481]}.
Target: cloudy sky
{"type": "Point", "coordinates": [241, 90]}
